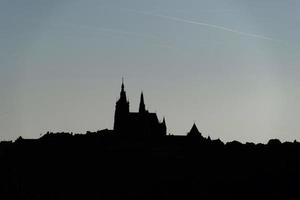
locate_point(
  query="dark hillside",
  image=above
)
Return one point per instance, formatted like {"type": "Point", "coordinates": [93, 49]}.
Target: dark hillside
{"type": "Point", "coordinates": [103, 166]}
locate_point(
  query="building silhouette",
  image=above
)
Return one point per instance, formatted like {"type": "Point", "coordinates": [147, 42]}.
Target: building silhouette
{"type": "Point", "coordinates": [106, 165]}
{"type": "Point", "coordinates": [142, 123]}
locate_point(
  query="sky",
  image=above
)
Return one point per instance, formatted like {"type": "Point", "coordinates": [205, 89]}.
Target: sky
{"type": "Point", "coordinates": [230, 66]}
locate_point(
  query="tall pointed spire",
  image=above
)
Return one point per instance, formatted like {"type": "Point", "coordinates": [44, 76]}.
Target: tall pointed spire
{"type": "Point", "coordinates": [122, 83]}
{"type": "Point", "coordinates": [123, 93]}
{"type": "Point", "coordinates": [142, 108]}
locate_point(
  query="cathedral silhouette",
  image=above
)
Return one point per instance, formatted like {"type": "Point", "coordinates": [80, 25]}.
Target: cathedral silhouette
{"type": "Point", "coordinates": [137, 124]}
{"type": "Point", "coordinates": [132, 161]}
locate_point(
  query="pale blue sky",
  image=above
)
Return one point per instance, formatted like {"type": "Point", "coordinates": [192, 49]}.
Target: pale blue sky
{"type": "Point", "coordinates": [231, 66]}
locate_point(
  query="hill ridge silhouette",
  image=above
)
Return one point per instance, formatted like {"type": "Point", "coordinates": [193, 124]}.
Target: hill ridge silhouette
{"type": "Point", "coordinates": [105, 166]}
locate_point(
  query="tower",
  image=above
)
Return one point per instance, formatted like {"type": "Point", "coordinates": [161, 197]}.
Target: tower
{"type": "Point", "coordinates": [121, 110]}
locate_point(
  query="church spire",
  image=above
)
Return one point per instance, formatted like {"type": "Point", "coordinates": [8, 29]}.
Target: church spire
{"type": "Point", "coordinates": [123, 93]}
{"type": "Point", "coordinates": [122, 87]}
{"type": "Point", "coordinates": [142, 108]}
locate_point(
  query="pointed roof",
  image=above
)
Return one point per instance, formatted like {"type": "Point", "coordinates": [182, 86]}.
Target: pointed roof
{"type": "Point", "coordinates": [142, 107]}
{"type": "Point", "coordinates": [122, 87]}
{"type": "Point", "coordinates": [194, 131]}
{"type": "Point", "coordinates": [142, 97]}
{"type": "Point", "coordinates": [164, 122]}
{"type": "Point", "coordinates": [123, 97]}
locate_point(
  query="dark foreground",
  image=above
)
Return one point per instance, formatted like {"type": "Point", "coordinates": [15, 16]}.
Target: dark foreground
{"type": "Point", "coordinates": [171, 167]}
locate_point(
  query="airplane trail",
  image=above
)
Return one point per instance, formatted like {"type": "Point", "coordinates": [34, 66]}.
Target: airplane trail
{"type": "Point", "coordinates": [223, 28]}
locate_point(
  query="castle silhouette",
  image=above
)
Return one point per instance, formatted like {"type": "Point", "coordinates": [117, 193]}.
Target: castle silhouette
{"type": "Point", "coordinates": [137, 124]}
{"type": "Point", "coordinates": [106, 165]}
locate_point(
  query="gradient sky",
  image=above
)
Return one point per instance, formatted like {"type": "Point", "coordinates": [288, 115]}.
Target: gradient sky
{"type": "Point", "coordinates": [231, 66]}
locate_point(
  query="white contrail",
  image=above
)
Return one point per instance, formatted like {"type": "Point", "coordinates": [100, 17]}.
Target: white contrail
{"type": "Point", "coordinates": [203, 24]}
